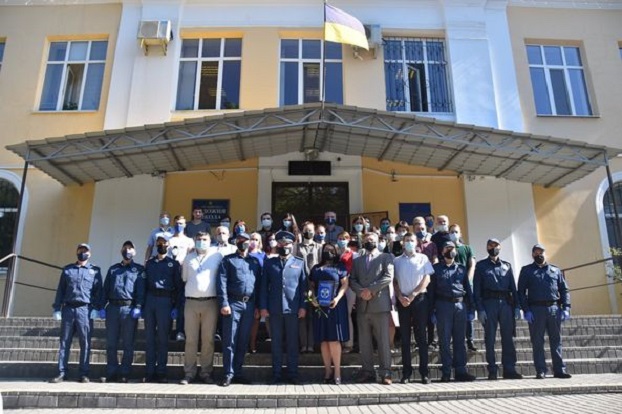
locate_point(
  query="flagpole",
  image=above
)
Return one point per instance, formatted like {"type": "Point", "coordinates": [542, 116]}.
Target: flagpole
{"type": "Point", "coordinates": [323, 78]}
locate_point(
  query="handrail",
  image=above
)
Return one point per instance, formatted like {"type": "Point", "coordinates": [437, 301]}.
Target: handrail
{"type": "Point", "coordinates": [28, 259]}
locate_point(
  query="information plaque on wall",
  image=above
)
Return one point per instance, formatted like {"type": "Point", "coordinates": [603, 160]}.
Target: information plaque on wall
{"type": "Point", "coordinates": [213, 210]}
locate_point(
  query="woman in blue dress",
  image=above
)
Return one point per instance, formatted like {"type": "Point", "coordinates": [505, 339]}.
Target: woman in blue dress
{"type": "Point", "coordinates": [328, 284]}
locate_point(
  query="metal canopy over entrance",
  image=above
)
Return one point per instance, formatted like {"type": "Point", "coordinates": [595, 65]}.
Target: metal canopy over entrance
{"type": "Point", "coordinates": [399, 137]}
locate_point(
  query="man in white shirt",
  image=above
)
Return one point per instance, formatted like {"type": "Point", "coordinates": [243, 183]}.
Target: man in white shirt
{"type": "Point", "coordinates": [222, 241]}
{"type": "Point", "coordinates": [412, 276]}
{"type": "Point", "coordinates": [200, 270]}
{"type": "Point", "coordinates": [179, 245]}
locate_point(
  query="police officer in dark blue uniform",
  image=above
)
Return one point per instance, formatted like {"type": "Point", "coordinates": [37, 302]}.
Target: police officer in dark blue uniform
{"type": "Point", "coordinates": [124, 290]}
{"type": "Point", "coordinates": [545, 300]}
{"type": "Point", "coordinates": [496, 301]}
{"type": "Point", "coordinates": [237, 286]}
{"type": "Point", "coordinates": [282, 298]}
{"type": "Point", "coordinates": [451, 300]}
{"type": "Point", "coordinates": [78, 301]}
{"type": "Point", "coordinates": [163, 287]}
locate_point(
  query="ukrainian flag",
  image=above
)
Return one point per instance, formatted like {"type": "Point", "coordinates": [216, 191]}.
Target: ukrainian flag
{"type": "Point", "coordinates": [340, 27]}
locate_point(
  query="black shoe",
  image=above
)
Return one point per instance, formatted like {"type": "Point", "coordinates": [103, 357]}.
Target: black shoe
{"type": "Point", "coordinates": [242, 380]}
{"type": "Point", "coordinates": [471, 346]}
{"type": "Point", "coordinates": [562, 375]}
{"type": "Point", "coordinates": [466, 377]}
{"type": "Point", "coordinates": [329, 380]}
{"type": "Point", "coordinates": [57, 379]}
{"type": "Point", "coordinates": [540, 375]}
{"type": "Point", "coordinates": [293, 381]}
{"type": "Point", "coordinates": [84, 379]}
{"type": "Point", "coordinates": [150, 378]}
{"type": "Point", "coordinates": [492, 376]}
{"type": "Point", "coordinates": [226, 381]}
{"type": "Point", "coordinates": [365, 378]}
{"type": "Point", "coordinates": [425, 380]}
{"type": "Point", "coordinates": [445, 378]}
{"type": "Point", "coordinates": [277, 381]}
{"type": "Point", "coordinates": [405, 380]}
{"type": "Point", "coordinates": [512, 375]}
{"type": "Point", "coordinates": [162, 380]}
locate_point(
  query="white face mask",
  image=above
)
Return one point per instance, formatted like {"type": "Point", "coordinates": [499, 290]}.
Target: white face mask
{"type": "Point", "coordinates": [442, 228]}
{"type": "Point", "coordinates": [382, 245]}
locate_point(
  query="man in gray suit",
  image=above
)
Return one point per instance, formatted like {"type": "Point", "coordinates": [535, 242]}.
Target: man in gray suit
{"type": "Point", "coordinates": [371, 275]}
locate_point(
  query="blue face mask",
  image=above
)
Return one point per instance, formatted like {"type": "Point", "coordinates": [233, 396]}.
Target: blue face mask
{"type": "Point", "coordinates": [429, 223]}
{"type": "Point", "coordinates": [287, 223]}
{"type": "Point", "coordinates": [384, 227]}
{"type": "Point", "coordinates": [241, 229]}
{"type": "Point", "coordinates": [421, 235]}
{"type": "Point", "coordinates": [179, 228]}
{"type": "Point", "coordinates": [164, 221]}
{"type": "Point", "coordinates": [330, 220]}
{"type": "Point", "coordinates": [201, 244]}
{"type": "Point", "coordinates": [409, 246]}
{"type": "Point", "coordinates": [342, 244]}
{"type": "Point", "coordinates": [358, 227]}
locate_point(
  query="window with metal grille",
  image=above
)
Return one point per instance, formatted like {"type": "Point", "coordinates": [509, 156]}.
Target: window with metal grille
{"type": "Point", "coordinates": [73, 76]}
{"type": "Point", "coordinates": [209, 74]}
{"type": "Point", "coordinates": [416, 75]}
{"type": "Point", "coordinates": [610, 217]}
{"type": "Point", "coordinates": [9, 196]}
{"type": "Point", "coordinates": [558, 80]}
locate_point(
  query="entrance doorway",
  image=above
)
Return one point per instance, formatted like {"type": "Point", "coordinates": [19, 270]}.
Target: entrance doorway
{"type": "Point", "coordinates": [309, 201]}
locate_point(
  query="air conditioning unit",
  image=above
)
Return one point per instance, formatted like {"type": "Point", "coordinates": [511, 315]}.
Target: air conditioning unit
{"type": "Point", "coordinates": [155, 33]}
{"type": "Point", "coordinates": [374, 35]}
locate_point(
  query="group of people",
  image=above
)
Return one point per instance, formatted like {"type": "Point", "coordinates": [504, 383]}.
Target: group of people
{"type": "Point", "coordinates": [305, 282]}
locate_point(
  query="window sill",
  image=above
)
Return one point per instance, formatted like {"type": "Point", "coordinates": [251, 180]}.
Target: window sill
{"type": "Point", "coordinates": [570, 116]}
{"type": "Point", "coordinates": [65, 112]}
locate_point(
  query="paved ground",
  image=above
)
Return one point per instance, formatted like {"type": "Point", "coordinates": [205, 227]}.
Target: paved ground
{"type": "Point", "coordinates": [562, 404]}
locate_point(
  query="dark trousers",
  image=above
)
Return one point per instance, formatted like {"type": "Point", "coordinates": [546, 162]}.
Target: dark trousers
{"type": "Point", "coordinates": [157, 314]}
{"type": "Point", "coordinates": [75, 320]}
{"type": "Point", "coordinates": [119, 326]}
{"type": "Point", "coordinates": [547, 318]}
{"type": "Point", "coordinates": [181, 319]}
{"type": "Point", "coordinates": [287, 324]}
{"type": "Point", "coordinates": [451, 319]}
{"type": "Point", "coordinates": [236, 329]}
{"type": "Point", "coordinates": [414, 317]}
{"type": "Point", "coordinates": [500, 314]}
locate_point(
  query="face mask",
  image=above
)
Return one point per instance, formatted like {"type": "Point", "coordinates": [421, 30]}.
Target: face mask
{"type": "Point", "coordinates": [384, 227]}
{"type": "Point", "coordinates": [409, 246]}
{"type": "Point", "coordinates": [308, 235]}
{"type": "Point", "coordinates": [400, 235]}
{"type": "Point", "coordinates": [179, 228]}
{"type": "Point", "coordinates": [272, 243]}
{"type": "Point", "coordinates": [443, 228]}
{"type": "Point", "coordinates": [252, 245]}
{"type": "Point", "coordinates": [539, 259]}
{"type": "Point", "coordinates": [240, 229]}
{"type": "Point", "coordinates": [328, 257]}
{"type": "Point", "coordinates": [284, 250]}
{"type": "Point", "coordinates": [320, 237]}
{"type": "Point", "coordinates": [164, 221]}
{"type": "Point", "coordinates": [494, 252]}
{"type": "Point", "coordinates": [128, 254]}
{"type": "Point", "coordinates": [330, 221]}
{"type": "Point", "coordinates": [83, 257]}
{"type": "Point", "coordinates": [242, 245]}
{"type": "Point", "coordinates": [369, 246]}
{"type": "Point", "coordinates": [225, 224]}
{"type": "Point", "coordinates": [382, 245]}
{"type": "Point", "coordinates": [391, 236]}
{"type": "Point", "coordinates": [221, 238]}
{"type": "Point", "coordinates": [429, 223]}
{"type": "Point", "coordinates": [342, 244]}
{"type": "Point", "coordinates": [453, 237]}
{"type": "Point", "coordinates": [421, 235]}
{"type": "Point", "coordinates": [162, 249]}
{"type": "Point", "coordinates": [450, 254]}
{"type": "Point", "coordinates": [367, 226]}
{"type": "Point", "coordinates": [201, 244]}
{"type": "Point", "coordinates": [266, 223]}
{"type": "Point", "coordinates": [358, 227]}
{"type": "Point", "coordinates": [287, 223]}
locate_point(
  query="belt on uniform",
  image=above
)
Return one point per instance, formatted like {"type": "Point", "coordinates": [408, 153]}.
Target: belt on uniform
{"type": "Point", "coordinates": [120, 302]}
{"type": "Point", "coordinates": [201, 299]}
{"type": "Point", "coordinates": [75, 304]}
{"type": "Point", "coordinates": [240, 298]}
{"type": "Point", "coordinates": [495, 294]}
{"type": "Point", "coordinates": [542, 302]}
{"type": "Point", "coordinates": [161, 293]}
{"type": "Point", "coordinates": [451, 299]}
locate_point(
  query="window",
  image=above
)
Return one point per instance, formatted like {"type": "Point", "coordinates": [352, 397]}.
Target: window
{"type": "Point", "coordinates": [416, 75]}
{"type": "Point", "coordinates": [8, 214]}
{"type": "Point", "coordinates": [302, 72]}
{"type": "Point", "coordinates": [73, 77]}
{"type": "Point", "coordinates": [558, 80]}
{"type": "Point", "coordinates": [1, 53]}
{"type": "Point", "coordinates": [610, 213]}
{"type": "Point", "coordinates": [209, 74]}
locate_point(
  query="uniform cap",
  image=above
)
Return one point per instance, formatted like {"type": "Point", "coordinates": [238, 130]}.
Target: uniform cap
{"type": "Point", "coordinates": [86, 246]}
{"type": "Point", "coordinates": [128, 243]}
{"type": "Point", "coordinates": [448, 243]}
{"type": "Point", "coordinates": [243, 235]}
{"type": "Point", "coordinates": [537, 246]}
{"type": "Point", "coordinates": [285, 237]}
{"type": "Point", "coordinates": [493, 240]}
{"type": "Point", "coordinates": [161, 238]}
